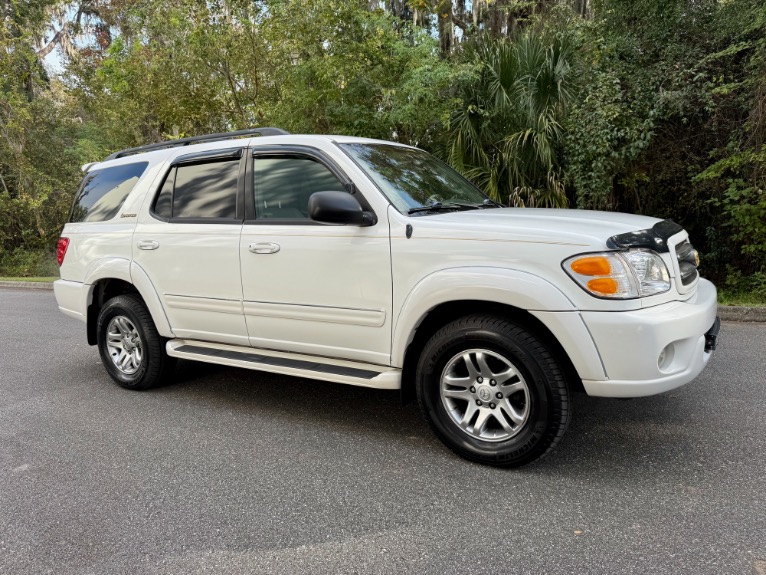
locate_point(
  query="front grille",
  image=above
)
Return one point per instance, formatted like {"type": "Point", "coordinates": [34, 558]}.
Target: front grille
{"type": "Point", "coordinates": [687, 262]}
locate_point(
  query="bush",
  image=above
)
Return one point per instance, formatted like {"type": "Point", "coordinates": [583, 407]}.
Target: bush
{"type": "Point", "coordinates": [743, 290]}
{"type": "Point", "coordinates": [28, 263]}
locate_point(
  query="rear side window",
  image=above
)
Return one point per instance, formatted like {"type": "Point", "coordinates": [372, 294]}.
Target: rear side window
{"type": "Point", "coordinates": [205, 190]}
{"type": "Point", "coordinates": [103, 191]}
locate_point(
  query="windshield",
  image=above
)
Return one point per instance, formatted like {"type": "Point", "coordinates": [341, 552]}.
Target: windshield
{"type": "Point", "coordinates": [411, 178]}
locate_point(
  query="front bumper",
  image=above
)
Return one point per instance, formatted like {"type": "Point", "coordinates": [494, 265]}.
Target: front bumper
{"type": "Point", "coordinates": [631, 345]}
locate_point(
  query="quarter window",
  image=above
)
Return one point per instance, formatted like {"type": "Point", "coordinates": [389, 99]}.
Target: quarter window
{"type": "Point", "coordinates": [102, 192]}
{"type": "Point", "coordinates": [164, 205]}
{"type": "Point", "coordinates": [283, 185]}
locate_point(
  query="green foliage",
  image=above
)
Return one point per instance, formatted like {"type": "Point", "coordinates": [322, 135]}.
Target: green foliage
{"type": "Point", "coordinates": [647, 106]}
{"type": "Point", "coordinates": [307, 66]}
{"type": "Point", "coordinates": [640, 89]}
{"type": "Point", "coordinates": [736, 178]}
{"type": "Point", "coordinates": [604, 134]}
{"type": "Point", "coordinates": [170, 80]}
{"type": "Point", "coordinates": [657, 127]}
{"type": "Point", "coordinates": [745, 208]}
{"type": "Point", "coordinates": [38, 168]}
{"type": "Point", "coordinates": [22, 263]}
{"type": "Point", "coordinates": [742, 203]}
{"type": "Point", "coordinates": [346, 69]}
{"type": "Point", "coordinates": [739, 289]}
{"type": "Point", "coordinates": [507, 132]}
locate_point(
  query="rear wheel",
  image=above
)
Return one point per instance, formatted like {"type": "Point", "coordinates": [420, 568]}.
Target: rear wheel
{"type": "Point", "coordinates": [492, 391]}
{"type": "Point", "coordinates": [131, 350]}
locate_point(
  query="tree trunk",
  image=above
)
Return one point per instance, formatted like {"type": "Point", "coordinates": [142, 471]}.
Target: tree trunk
{"type": "Point", "coordinates": [445, 27]}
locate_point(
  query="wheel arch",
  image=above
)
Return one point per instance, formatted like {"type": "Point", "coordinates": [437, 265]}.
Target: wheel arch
{"type": "Point", "coordinates": [105, 286]}
{"type": "Point", "coordinates": [449, 311]}
{"type": "Point", "coordinates": [101, 291]}
{"type": "Point", "coordinates": [527, 299]}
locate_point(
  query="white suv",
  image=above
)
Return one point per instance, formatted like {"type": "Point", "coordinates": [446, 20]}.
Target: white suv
{"type": "Point", "coordinates": [372, 263]}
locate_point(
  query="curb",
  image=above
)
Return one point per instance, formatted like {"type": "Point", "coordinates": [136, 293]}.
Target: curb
{"type": "Point", "coordinates": [726, 312]}
{"type": "Point", "coordinates": [737, 313]}
{"type": "Point", "coordinates": [28, 285]}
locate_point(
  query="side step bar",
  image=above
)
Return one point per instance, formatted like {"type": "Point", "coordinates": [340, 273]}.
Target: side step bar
{"type": "Point", "coordinates": [299, 365]}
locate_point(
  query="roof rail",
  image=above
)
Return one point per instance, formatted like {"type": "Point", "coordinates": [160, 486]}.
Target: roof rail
{"type": "Point", "coordinates": [197, 140]}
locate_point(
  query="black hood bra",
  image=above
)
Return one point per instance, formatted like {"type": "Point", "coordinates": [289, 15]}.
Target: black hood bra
{"type": "Point", "coordinates": [655, 238]}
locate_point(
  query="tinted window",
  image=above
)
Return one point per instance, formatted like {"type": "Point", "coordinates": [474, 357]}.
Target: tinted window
{"type": "Point", "coordinates": [283, 185]}
{"type": "Point", "coordinates": [206, 190]}
{"type": "Point", "coordinates": [103, 191]}
{"type": "Point", "coordinates": [162, 207]}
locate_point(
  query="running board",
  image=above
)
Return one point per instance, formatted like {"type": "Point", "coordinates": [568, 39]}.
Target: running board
{"type": "Point", "coordinates": [299, 365]}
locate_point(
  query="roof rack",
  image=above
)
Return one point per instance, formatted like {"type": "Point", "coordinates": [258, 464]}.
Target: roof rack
{"type": "Point", "coordinates": [197, 140]}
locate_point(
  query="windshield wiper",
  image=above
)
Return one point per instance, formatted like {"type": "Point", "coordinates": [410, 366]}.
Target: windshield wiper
{"type": "Point", "coordinates": [445, 207]}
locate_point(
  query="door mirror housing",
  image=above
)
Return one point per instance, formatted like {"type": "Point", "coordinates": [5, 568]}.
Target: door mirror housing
{"type": "Point", "coordinates": [339, 208]}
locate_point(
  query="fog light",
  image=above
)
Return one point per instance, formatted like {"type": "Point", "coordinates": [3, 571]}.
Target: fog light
{"type": "Point", "coordinates": [666, 357]}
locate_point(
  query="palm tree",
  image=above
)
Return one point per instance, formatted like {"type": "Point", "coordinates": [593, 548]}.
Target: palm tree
{"type": "Point", "coordinates": [506, 135]}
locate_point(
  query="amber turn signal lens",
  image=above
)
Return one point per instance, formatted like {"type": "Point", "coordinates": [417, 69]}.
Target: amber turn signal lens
{"type": "Point", "coordinates": [606, 286]}
{"type": "Point", "coordinates": [592, 266]}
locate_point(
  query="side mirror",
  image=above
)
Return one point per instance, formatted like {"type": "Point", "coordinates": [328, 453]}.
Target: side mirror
{"type": "Point", "coordinates": [338, 208]}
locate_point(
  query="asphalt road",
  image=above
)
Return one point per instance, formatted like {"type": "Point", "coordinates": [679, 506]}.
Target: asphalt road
{"type": "Point", "coordinates": [232, 471]}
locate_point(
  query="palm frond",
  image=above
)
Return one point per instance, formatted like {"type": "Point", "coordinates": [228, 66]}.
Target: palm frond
{"type": "Point", "coordinates": [507, 135]}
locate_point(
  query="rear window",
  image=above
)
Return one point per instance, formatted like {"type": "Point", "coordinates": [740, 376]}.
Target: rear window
{"type": "Point", "coordinates": [103, 191]}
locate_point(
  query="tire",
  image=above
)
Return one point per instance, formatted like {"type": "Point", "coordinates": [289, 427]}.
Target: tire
{"type": "Point", "coordinates": [492, 392]}
{"type": "Point", "coordinates": [131, 350]}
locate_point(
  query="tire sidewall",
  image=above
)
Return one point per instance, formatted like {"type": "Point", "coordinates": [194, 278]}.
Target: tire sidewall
{"type": "Point", "coordinates": [525, 445]}
{"type": "Point", "coordinates": [113, 308]}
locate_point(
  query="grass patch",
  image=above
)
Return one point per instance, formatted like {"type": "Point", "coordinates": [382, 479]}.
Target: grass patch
{"type": "Point", "coordinates": [24, 264]}
{"type": "Point", "coordinates": [32, 279]}
{"type": "Point", "coordinates": [742, 290]}
{"type": "Point", "coordinates": [741, 299]}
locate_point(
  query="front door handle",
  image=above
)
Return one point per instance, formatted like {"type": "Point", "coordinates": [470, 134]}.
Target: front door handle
{"type": "Point", "coordinates": [264, 248]}
{"type": "Point", "coordinates": [148, 245]}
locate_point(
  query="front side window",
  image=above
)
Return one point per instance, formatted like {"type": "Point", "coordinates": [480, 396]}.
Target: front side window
{"type": "Point", "coordinates": [102, 192]}
{"type": "Point", "coordinates": [283, 185]}
{"type": "Point", "coordinates": [202, 190]}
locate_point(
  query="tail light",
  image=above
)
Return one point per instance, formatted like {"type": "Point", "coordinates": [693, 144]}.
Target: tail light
{"type": "Point", "coordinates": [61, 247]}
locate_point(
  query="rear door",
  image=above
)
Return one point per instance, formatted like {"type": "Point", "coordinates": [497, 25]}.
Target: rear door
{"type": "Point", "coordinates": [188, 244]}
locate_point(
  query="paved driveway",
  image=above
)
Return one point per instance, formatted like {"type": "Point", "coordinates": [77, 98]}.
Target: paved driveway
{"type": "Point", "coordinates": [231, 471]}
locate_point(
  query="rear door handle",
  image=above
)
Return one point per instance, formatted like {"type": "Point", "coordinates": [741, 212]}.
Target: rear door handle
{"type": "Point", "coordinates": [148, 245]}
{"type": "Point", "coordinates": [264, 248]}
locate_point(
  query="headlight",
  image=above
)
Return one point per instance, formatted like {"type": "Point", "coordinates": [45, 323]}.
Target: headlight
{"type": "Point", "coordinates": [620, 275]}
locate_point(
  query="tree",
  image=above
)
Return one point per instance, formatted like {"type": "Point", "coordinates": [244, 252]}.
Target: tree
{"type": "Point", "coordinates": [506, 134]}
{"type": "Point", "coordinates": [38, 166]}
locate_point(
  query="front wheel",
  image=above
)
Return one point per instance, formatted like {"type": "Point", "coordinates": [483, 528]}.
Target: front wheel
{"type": "Point", "coordinates": [132, 351]}
{"type": "Point", "coordinates": [492, 392]}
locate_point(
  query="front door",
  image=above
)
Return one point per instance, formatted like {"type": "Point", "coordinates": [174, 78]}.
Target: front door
{"type": "Point", "coordinates": [309, 287]}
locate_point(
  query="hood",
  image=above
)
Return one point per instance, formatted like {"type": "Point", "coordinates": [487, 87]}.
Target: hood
{"type": "Point", "coordinates": [561, 226]}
